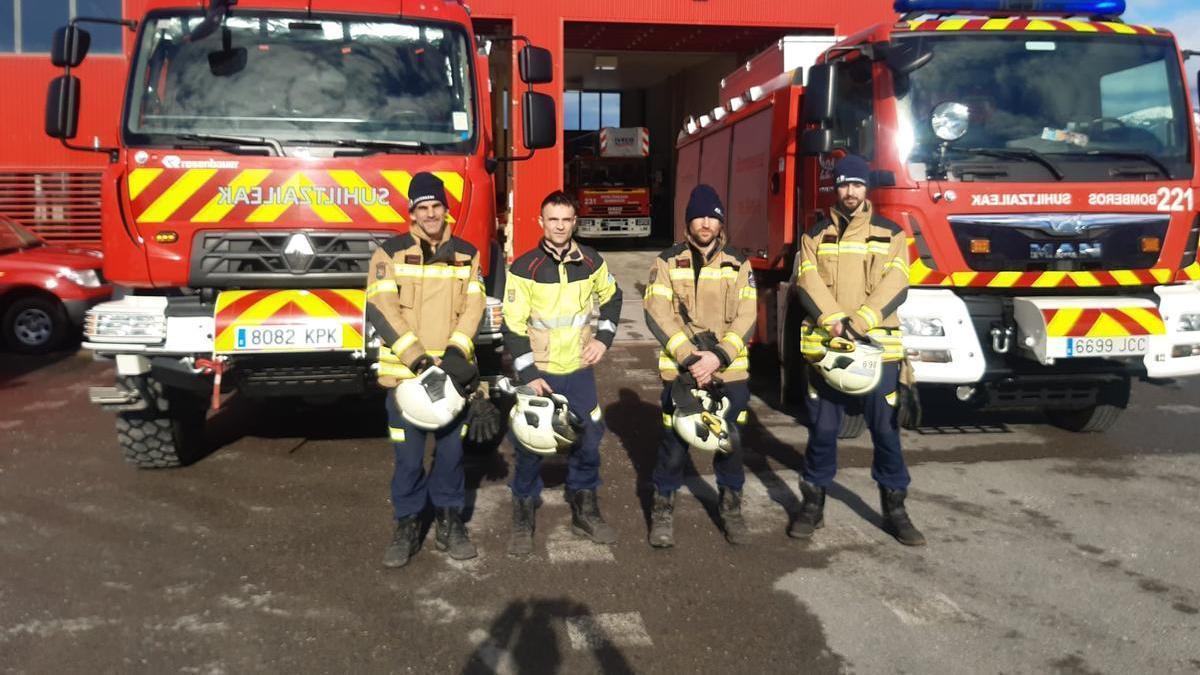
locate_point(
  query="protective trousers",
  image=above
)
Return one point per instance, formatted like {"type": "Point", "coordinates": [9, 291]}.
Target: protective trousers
{"type": "Point", "coordinates": [411, 488]}
{"type": "Point", "coordinates": [583, 462]}
{"type": "Point", "coordinates": [827, 406]}
{"type": "Point", "coordinates": [672, 451]}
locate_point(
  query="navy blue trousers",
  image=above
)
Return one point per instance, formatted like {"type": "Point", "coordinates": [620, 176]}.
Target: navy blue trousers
{"type": "Point", "coordinates": [827, 406]}
{"type": "Point", "coordinates": [583, 462]}
{"type": "Point", "coordinates": [672, 451]}
{"type": "Point", "coordinates": [445, 485]}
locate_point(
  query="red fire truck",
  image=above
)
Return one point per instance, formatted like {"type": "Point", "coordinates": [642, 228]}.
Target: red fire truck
{"type": "Point", "coordinates": [265, 151]}
{"type": "Point", "coordinates": [1044, 168]}
{"type": "Point", "coordinates": [613, 185]}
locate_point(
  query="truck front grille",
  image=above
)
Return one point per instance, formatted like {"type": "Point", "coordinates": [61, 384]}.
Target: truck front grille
{"type": "Point", "coordinates": [281, 258]}
{"type": "Point", "coordinates": [1039, 242]}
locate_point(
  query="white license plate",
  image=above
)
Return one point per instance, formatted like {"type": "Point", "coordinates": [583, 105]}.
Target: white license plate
{"type": "Point", "coordinates": [288, 336]}
{"type": "Point", "coordinates": [1084, 347]}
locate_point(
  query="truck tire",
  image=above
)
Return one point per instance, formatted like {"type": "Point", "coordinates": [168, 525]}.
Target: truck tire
{"type": "Point", "coordinates": [853, 425]}
{"type": "Point", "coordinates": [168, 433]}
{"type": "Point", "coordinates": [1111, 401]}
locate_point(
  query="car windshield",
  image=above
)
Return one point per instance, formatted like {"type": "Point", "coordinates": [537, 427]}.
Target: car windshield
{"type": "Point", "coordinates": [294, 79]}
{"type": "Point", "coordinates": [1067, 98]}
{"type": "Point", "coordinates": [13, 237]}
{"type": "Point", "coordinates": [623, 173]}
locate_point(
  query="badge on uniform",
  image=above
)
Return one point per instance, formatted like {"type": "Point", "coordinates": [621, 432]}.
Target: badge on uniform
{"type": "Point", "coordinates": [380, 270]}
{"type": "Point", "coordinates": [653, 274]}
{"type": "Point", "coordinates": [412, 259]}
{"type": "Point", "coordinates": [512, 295]}
{"type": "Point", "coordinates": [683, 262]}
{"type": "Point", "coordinates": [750, 280]}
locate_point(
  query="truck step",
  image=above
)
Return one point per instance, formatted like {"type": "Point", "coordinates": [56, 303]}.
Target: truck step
{"type": "Point", "coordinates": [116, 399]}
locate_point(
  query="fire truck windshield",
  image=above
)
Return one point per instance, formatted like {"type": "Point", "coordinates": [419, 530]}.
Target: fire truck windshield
{"type": "Point", "coordinates": [297, 80]}
{"type": "Point", "coordinates": [1048, 103]}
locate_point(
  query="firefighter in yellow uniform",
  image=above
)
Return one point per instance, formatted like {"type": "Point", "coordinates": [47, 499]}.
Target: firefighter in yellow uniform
{"type": "Point", "coordinates": [851, 275]}
{"type": "Point", "coordinates": [425, 298]}
{"type": "Point", "coordinates": [551, 295]}
{"type": "Point", "coordinates": [702, 305]}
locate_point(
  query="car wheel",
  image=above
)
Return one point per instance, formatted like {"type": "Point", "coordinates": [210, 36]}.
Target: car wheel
{"type": "Point", "coordinates": [35, 325]}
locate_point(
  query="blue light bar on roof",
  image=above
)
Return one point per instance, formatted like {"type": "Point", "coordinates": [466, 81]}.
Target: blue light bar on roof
{"type": "Point", "coordinates": [1093, 7]}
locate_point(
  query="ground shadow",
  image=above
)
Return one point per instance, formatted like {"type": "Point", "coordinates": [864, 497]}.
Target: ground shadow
{"type": "Point", "coordinates": [523, 639]}
{"type": "Point", "coordinates": [14, 367]}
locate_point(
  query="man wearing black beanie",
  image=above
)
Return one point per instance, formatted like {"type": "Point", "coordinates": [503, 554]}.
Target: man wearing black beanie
{"type": "Point", "coordinates": [702, 305]}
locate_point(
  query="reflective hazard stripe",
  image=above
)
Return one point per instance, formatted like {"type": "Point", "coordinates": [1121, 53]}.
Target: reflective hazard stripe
{"type": "Point", "coordinates": [666, 419]}
{"type": "Point", "coordinates": [475, 288]}
{"type": "Point", "coordinates": [712, 273]}
{"type": "Point", "coordinates": [748, 293]}
{"type": "Point", "coordinates": [396, 434]}
{"type": "Point", "coordinates": [685, 274]}
{"type": "Point", "coordinates": [596, 414]}
{"type": "Point", "coordinates": [462, 433]}
{"type": "Point", "coordinates": [574, 321]}
{"type": "Point", "coordinates": [674, 343]}
{"type": "Point", "coordinates": [522, 362]}
{"type": "Point", "coordinates": [407, 340]}
{"type": "Point", "coordinates": [869, 315]}
{"type": "Point", "coordinates": [382, 286]}
{"type": "Point", "coordinates": [460, 340]}
{"type": "Point", "coordinates": [740, 363]}
{"type": "Point", "coordinates": [438, 271]}
{"type": "Point", "coordinates": [743, 416]}
{"type": "Point", "coordinates": [891, 399]}
{"type": "Point", "coordinates": [735, 340]}
{"type": "Point", "coordinates": [660, 290]}
{"type": "Point", "coordinates": [807, 266]}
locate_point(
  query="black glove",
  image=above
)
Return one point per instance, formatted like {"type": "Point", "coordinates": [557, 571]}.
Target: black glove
{"type": "Point", "coordinates": [423, 361]}
{"type": "Point", "coordinates": [706, 341]}
{"type": "Point", "coordinates": [462, 372]}
{"type": "Point", "coordinates": [908, 407]}
{"type": "Point", "coordinates": [484, 420]}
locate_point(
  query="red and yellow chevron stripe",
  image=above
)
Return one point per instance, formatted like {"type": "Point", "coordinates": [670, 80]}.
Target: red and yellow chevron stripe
{"type": "Point", "coordinates": [1107, 322]}
{"type": "Point", "coordinates": [159, 195]}
{"type": "Point", "coordinates": [1032, 25]}
{"type": "Point", "coordinates": [1189, 273]}
{"type": "Point", "coordinates": [270, 307]}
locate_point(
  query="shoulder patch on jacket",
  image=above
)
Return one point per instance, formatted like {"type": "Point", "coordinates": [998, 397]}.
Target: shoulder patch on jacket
{"type": "Point", "coordinates": [829, 239]}
{"type": "Point", "coordinates": [673, 251]}
{"type": "Point", "coordinates": [463, 246]}
{"type": "Point", "coordinates": [684, 263]}
{"type": "Point", "coordinates": [881, 222]}
{"type": "Point", "coordinates": [397, 243]}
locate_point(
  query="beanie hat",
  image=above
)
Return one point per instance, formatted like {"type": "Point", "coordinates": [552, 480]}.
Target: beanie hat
{"type": "Point", "coordinates": [425, 187]}
{"type": "Point", "coordinates": [704, 203]}
{"type": "Point", "coordinates": [851, 169]}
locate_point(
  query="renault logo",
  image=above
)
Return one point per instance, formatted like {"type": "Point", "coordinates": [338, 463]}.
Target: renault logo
{"type": "Point", "coordinates": [298, 253]}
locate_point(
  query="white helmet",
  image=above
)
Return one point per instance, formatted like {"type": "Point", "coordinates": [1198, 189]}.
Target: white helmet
{"type": "Point", "coordinates": [701, 422]}
{"type": "Point", "coordinates": [543, 424]}
{"type": "Point", "coordinates": [852, 366]}
{"type": "Point", "coordinates": [429, 400]}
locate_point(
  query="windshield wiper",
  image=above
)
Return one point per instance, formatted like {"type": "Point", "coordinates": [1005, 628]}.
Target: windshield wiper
{"type": "Point", "coordinates": [1020, 153]}
{"type": "Point", "coordinates": [259, 141]}
{"type": "Point", "coordinates": [416, 147]}
{"type": "Point", "coordinates": [1130, 154]}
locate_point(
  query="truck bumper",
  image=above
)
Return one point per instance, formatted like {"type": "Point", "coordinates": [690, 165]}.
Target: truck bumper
{"type": "Point", "coordinates": [613, 227]}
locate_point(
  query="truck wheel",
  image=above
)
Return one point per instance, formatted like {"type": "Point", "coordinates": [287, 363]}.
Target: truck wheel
{"type": "Point", "coordinates": [852, 426]}
{"type": "Point", "coordinates": [1095, 419]}
{"type": "Point", "coordinates": [168, 433]}
{"type": "Point", "coordinates": [793, 370]}
{"type": "Point", "coordinates": [35, 324]}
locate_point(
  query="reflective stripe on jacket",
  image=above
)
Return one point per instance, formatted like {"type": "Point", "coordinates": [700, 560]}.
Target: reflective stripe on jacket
{"type": "Point", "coordinates": [549, 305]}
{"type": "Point", "coordinates": [421, 298]}
{"type": "Point", "coordinates": [682, 301]}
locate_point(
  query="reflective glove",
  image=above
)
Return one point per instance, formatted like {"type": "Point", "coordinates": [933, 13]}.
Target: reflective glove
{"type": "Point", "coordinates": [423, 361]}
{"type": "Point", "coordinates": [462, 372]}
{"type": "Point", "coordinates": [484, 421]}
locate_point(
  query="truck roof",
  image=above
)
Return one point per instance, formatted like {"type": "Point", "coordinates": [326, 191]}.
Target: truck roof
{"type": "Point", "coordinates": [444, 10]}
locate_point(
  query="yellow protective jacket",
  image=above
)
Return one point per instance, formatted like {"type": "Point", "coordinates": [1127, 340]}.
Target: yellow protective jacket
{"type": "Point", "coordinates": [687, 295]}
{"type": "Point", "coordinates": [855, 268]}
{"type": "Point", "coordinates": [422, 297]}
{"type": "Point", "coordinates": [549, 304]}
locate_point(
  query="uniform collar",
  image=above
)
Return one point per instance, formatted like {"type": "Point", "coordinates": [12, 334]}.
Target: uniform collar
{"type": "Point", "coordinates": [717, 246]}
{"type": "Point", "coordinates": [860, 218]}
{"type": "Point", "coordinates": [571, 254]}
{"type": "Point", "coordinates": [420, 235]}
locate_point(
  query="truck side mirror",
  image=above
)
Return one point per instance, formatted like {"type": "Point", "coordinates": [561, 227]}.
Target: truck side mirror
{"type": "Point", "coordinates": [819, 94]}
{"type": "Point", "coordinates": [70, 46]}
{"type": "Point", "coordinates": [62, 107]}
{"type": "Point", "coordinates": [536, 65]}
{"type": "Point", "coordinates": [538, 116]}
{"type": "Point", "coordinates": [816, 141]}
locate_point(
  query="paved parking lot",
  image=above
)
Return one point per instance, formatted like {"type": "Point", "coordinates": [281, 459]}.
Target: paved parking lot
{"type": "Point", "coordinates": [1048, 551]}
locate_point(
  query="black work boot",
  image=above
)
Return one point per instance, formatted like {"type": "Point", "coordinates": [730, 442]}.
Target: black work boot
{"type": "Point", "coordinates": [520, 543]}
{"type": "Point", "coordinates": [662, 520]}
{"type": "Point", "coordinates": [452, 535]}
{"type": "Point", "coordinates": [586, 520]}
{"type": "Point", "coordinates": [731, 517]}
{"type": "Point", "coordinates": [405, 543]}
{"type": "Point", "coordinates": [895, 518]}
{"type": "Point", "coordinates": [812, 512]}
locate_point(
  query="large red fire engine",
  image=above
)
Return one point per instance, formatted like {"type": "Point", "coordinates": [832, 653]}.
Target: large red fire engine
{"type": "Point", "coordinates": [1044, 167]}
{"type": "Point", "coordinates": [613, 185]}
{"type": "Point", "coordinates": [265, 150]}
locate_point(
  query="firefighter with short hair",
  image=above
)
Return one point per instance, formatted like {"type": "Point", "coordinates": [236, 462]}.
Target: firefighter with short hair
{"type": "Point", "coordinates": [551, 295]}
{"type": "Point", "coordinates": [851, 275]}
{"type": "Point", "coordinates": [701, 305]}
{"type": "Point", "coordinates": [425, 298]}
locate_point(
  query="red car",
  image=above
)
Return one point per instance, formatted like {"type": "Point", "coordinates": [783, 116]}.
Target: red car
{"type": "Point", "coordinates": [44, 289]}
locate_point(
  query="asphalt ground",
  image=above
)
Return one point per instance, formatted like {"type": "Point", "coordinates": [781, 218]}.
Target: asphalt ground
{"type": "Point", "coordinates": [1048, 551]}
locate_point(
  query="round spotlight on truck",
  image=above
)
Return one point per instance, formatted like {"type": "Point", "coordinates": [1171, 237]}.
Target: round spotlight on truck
{"type": "Point", "coordinates": [950, 120]}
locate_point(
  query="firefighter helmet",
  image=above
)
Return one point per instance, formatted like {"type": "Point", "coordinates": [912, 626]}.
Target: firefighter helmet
{"type": "Point", "coordinates": [851, 366]}
{"type": "Point", "coordinates": [429, 400]}
{"type": "Point", "coordinates": [544, 424]}
{"type": "Point", "coordinates": [699, 420]}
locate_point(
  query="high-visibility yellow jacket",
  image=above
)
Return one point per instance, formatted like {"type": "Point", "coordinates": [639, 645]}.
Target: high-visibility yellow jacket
{"type": "Point", "coordinates": [687, 295]}
{"type": "Point", "coordinates": [549, 305]}
{"type": "Point", "coordinates": [853, 268]}
{"type": "Point", "coordinates": [423, 296]}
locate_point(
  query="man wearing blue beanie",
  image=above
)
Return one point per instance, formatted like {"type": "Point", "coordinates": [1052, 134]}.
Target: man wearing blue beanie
{"type": "Point", "coordinates": [701, 305]}
{"type": "Point", "coordinates": [851, 275]}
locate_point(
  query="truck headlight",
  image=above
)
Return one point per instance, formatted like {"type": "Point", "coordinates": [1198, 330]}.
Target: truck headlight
{"type": "Point", "coordinates": [1189, 322]}
{"type": "Point", "coordinates": [108, 326]}
{"type": "Point", "coordinates": [922, 326]}
{"type": "Point", "coordinates": [85, 278]}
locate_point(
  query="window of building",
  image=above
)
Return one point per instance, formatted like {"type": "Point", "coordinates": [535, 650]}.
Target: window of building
{"type": "Point", "coordinates": [27, 26]}
{"type": "Point", "coordinates": [591, 110]}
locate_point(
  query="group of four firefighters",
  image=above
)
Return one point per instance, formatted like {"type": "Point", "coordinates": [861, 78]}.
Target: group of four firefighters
{"type": "Point", "coordinates": [426, 297]}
